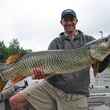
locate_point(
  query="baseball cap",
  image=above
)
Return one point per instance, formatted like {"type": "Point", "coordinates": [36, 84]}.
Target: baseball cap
{"type": "Point", "coordinates": [68, 12]}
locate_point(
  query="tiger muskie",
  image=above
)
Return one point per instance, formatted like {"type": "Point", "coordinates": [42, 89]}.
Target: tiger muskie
{"type": "Point", "coordinates": [52, 62]}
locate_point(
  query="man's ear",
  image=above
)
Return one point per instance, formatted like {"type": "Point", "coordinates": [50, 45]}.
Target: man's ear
{"type": "Point", "coordinates": [76, 21]}
{"type": "Point", "coordinates": [61, 22]}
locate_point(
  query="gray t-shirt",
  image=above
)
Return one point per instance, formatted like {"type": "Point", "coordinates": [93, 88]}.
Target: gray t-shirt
{"type": "Point", "coordinates": [72, 83]}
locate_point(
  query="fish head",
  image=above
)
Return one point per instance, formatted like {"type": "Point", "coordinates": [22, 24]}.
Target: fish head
{"type": "Point", "coordinates": [100, 49]}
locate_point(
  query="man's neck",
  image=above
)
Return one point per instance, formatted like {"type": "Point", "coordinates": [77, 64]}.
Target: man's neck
{"type": "Point", "coordinates": [72, 34]}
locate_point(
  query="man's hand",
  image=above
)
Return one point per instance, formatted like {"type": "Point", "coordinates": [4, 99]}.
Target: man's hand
{"type": "Point", "coordinates": [101, 66]}
{"type": "Point", "coordinates": [38, 73]}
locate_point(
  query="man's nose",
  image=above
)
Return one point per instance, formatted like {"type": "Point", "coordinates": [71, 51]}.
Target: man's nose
{"type": "Point", "coordinates": [70, 22]}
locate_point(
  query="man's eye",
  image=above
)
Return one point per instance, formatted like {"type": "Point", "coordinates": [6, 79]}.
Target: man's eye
{"type": "Point", "coordinates": [69, 20]}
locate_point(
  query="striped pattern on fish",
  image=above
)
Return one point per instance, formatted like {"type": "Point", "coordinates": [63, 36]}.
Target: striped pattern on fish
{"type": "Point", "coordinates": [50, 62]}
{"type": "Point", "coordinates": [53, 62]}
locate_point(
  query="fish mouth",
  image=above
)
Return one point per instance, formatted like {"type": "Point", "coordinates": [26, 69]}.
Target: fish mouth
{"type": "Point", "coordinates": [99, 54]}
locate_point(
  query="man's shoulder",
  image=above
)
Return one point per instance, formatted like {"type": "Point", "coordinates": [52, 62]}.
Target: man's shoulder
{"type": "Point", "coordinates": [57, 42]}
{"type": "Point", "coordinates": [86, 36]}
{"type": "Point", "coordinates": [89, 37]}
{"type": "Point", "coordinates": [59, 38]}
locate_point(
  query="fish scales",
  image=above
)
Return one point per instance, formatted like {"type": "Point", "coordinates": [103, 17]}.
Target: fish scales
{"type": "Point", "coordinates": [57, 62]}
{"type": "Point", "coordinates": [52, 62]}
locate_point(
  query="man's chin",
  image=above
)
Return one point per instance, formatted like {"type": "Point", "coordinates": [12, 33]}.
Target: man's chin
{"type": "Point", "coordinates": [69, 31]}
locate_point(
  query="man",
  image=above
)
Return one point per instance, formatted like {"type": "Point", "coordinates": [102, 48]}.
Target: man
{"type": "Point", "coordinates": [60, 92]}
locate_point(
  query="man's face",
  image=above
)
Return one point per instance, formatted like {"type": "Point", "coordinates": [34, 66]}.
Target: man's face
{"type": "Point", "coordinates": [69, 23]}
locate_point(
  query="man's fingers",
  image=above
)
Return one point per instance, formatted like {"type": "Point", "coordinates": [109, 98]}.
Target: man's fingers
{"type": "Point", "coordinates": [38, 73]}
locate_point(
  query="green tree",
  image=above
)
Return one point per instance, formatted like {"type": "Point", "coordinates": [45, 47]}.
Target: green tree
{"type": "Point", "coordinates": [14, 46]}
{"type": "Point", "coordinates": [2, 44]}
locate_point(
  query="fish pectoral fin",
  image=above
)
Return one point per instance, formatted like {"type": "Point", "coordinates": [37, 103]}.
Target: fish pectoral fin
{"type": "Point", "coordinates": [2, 84]}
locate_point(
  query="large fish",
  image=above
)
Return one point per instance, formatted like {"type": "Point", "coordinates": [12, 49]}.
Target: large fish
{"type": "Point", "coordinates": [52, 62]}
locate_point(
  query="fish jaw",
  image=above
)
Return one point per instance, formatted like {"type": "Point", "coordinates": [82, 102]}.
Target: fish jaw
{"type": "Point", "coordinates": [98, 54]}
{"type": "Point", "coordinates": [100, 49]}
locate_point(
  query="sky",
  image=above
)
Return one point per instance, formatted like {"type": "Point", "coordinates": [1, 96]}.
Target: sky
{"type": "Point", "coordinates": [35, 23]}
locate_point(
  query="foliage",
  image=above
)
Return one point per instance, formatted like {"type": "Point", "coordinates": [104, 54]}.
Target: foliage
{"type": "Point", "coordinates": [14, 47]}
{"type": "Point", "coordinates": [2, 44]}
